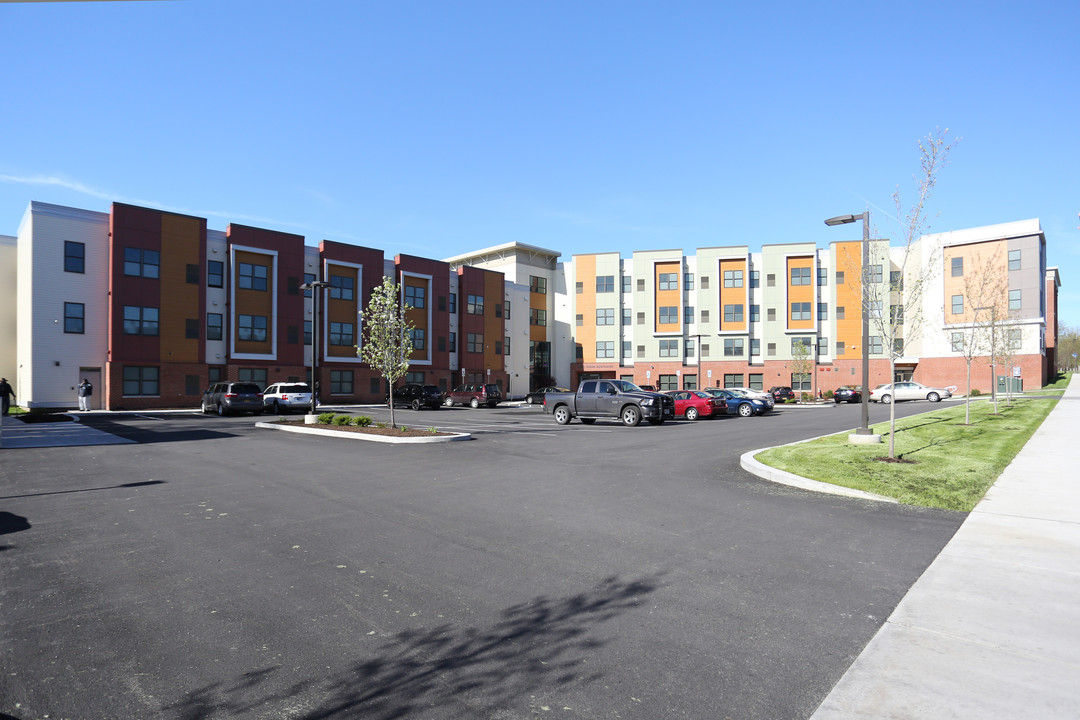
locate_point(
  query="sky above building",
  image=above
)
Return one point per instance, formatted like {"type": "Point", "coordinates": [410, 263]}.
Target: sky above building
{"type": "Point", "coordinates": [438, 128]}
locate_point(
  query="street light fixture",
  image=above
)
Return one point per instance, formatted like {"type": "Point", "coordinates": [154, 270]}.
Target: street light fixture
{"type": "Point", "coordinates": [314, 286]}
{"type": "Point", "coordinates": [844, 220]}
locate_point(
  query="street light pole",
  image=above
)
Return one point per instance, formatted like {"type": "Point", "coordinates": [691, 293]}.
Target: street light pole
{"type": "Point", "coordinates": [844, 220]}
{"type": "Point", "coordinates": [314, 286]}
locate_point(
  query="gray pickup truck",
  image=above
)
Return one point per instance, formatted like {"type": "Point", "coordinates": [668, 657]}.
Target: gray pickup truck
{"type": "Point", "coordinates": [615, 399]}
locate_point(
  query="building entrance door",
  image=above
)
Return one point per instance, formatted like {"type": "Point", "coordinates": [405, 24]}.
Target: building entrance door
{"type": "Point", "coordinates": [94, 376]}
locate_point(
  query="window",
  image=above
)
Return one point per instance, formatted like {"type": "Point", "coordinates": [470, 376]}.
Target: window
{"type": "Point", "coordinates": [215, 329]}
{"type": "Point", "coordinates": [689, 382]}
{"type": "Point", "coordinates": [142, 263]}
{"type": "Point", "coordinates": [537, 317]}
{"type": "Point", "coordinates": [755, 346]}
{"type": "Point", "coordinates": [771, 349]}
{"type": "Point", "coordinates": [755, 278]}
{"type": "Point", "coordinates": [823, 311]}
{"type": "Point", "coordinates": [579, 288]}
{"type": "Point", "coordinates": [958, 342]}
{"type": "Point", "coordinates": [896, 314]}
{"type": "Point", "coordinates": [215, 373]}
{"type": "Point", "coordinates": [770, 280]}
{"type": "Point", "coordinates": [876, 309]}
{"type": "Point", "coordinates": [253, 277]}
{"type": "Point", "coordinates": [605, 349]}
{"type": "Point", "coordinates": [704, 282]}
{"type": "Point", "coordinates": [74, 257]}
{"type": "Point", "coordinates": [733, 313]}
{"type": "Point", "coordinates": [875, 345]}
{"type": "Point", "coordinates": [579, 351]}
{"type": "Point", "coordinates": [191, 274]}
{"type": "Point", "coordinates": [704, 316]}
{"type": "Point", "coordinates": [498, 347]}
{"type": "Point", "coordinates": [605, 283]}
{"type": "Point", "coordinates": [806, 343]}
{"type": "Point", "coordinates": [474, 342]}
{"type": "Point", "coordinates": [506, 345]}
{"type": "Point", "coordinates": [822, 345]}
{"type": "Point", "coordinates": [341, 382]}
{"type": "Point", "coordinates": [1014, 259]}
{"type": "Point", "coordinates": [308, 279]}
{"type": "Point", "coordinates": [733, 278]}
{"type": "Point", "coordinates": [140, 380]}
{"type": "Point", "coordinates": [453, 302]}
{"type": "Point", "coordinates": [704, 350]}
{"type": "Point", "coordinates": [415, 296]}
{"type": "Point", "coordinates": [252, 375]}
{"type": "Point", "coordinates": [251, 328]}
{"type": "Point", "coordinates": [342, 287]}
{"type": "Point", "coordinates": [452, 339]}
{"type": "Point", "coordinates": [627, 349]}
{"type": "Point", "coordinates": [307, 332]}
{"type": "Point", "coordinates": [800, 381]}
{"type": "Point", "coordinates": [668, 281]}
{"type": "Point", "coordinates": [770, 314]}
{"type": "Point", "coordinates": [538, 284]}
{"type": "Point", "coordinates": [688, 314]}
{"type": "Point", "coordinates": [641, 285]}
{"type": "Point", "coordinates": [755, 313]}
{"type": "Point", "coordinates": [669, 348]}
{"type": "Point", "coordinates": [688, 348]}
{"type": "Point", "coordinates": [641, 351]}
{"type": "Point", "coordinates": [475, 305]}
{"type": "Point", "coordinates": [800, 311]}
{"type": "Point", "coordinates": [898, 346]}
{"type": "Point", "coordinates": [688, 281]}
{"type": "Point", "coordinates": [876, 274]}
{"type": "Point", "coordinates": [341, 334]}
{"type": "Point", "coordinates": [419, 338]}
{"type": "Point", "coordinates": [667, 382]}
{"type": "Point", "coordinates": [733, 347]}
{"type": "Point", "coordinates": [192, 385]}
{"type": "Point", "coordinates": [839, 277]}
{"type": "Point", "coordinates": [840, 312]}
{"type": "Point", "coordinates": [375, 384]}
{"type": "Point", "coordinates": [669, 315]}
{"type": "Point", "coordinates": [839, 347]}
{"type": "Point", "coordinates": [140, 320]}
{"type": "Point", "coordinates": [896, 281]}
{"type": "Point", "coordinates": [627, 316]}
{"type": "Point", "coordinates": [957, 304]}
{"type": "Point", "coordinates": [822, 276]}
{"type": "Point", "coordinates": [800, 276]}
{"type": "Point", "coordinates": [75, 318]}
{"type": "Point", "coordinates": [605, 316]}
{"type": "Point", "coordinates": [1015, 300]}
{"type": "Point", "coordinates": [641, 318]}
{"type": "Point", "coordinates": [498, 310]}
{"type": "Point", "coordinates": [957, 267]}
{"type": "Point", "coordinates": [627, 283]}
{"type": "Point", "coordinates": [733, 380]}
{"type": "Point", "coordinates": [1015, 337]}
{"type": "Point", "coordinates": [191, 328]}
{"type": "Point", "coordinates": [757, 381]}
{"type": "Point", "coordinates": [579, 320]}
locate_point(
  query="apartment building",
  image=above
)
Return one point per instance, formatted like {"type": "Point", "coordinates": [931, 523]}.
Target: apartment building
{"type": "Point", "coordinates": [153, 306]}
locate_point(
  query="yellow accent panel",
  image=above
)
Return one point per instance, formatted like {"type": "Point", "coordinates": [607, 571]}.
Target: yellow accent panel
{"type": "Point", "coordinates": [180, 242]}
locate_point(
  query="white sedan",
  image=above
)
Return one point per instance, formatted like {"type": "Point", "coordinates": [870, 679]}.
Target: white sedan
{"type": "Point", "coordinates": [907, 391]}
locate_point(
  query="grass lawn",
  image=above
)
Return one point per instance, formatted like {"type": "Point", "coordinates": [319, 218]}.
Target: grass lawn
{"type": "Point", "coordinates": [948, 465]}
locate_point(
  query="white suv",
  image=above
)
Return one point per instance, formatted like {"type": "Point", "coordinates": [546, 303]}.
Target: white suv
{"type": "Point", "coordinates": [285, 396]}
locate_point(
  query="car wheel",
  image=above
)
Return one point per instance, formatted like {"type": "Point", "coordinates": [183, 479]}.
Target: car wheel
{"type": "Point", "coordinates": [221, 410]}
{"type": "Point", "coordinates": [277, 408]}
{"type": "Point", "coordinates": [933, 397]}
{"type": "Point", "coordinates": [631, 416]}
{"type": "Point", "coordinates": [588, 421]}
{"type": "Point", "coordinates": [886, 399]}
{"type": "Point", "coordinates": [562, 415]}
{"type": "Point", "coordinates": [415, 404]}
{"type": "Point", "coordinates": [746, 410]}
{"type": "Point", "coordinates": [448, 402]}
{"type": "Point", "coordinates": [528, 399]}
{"type": "Point", "coordinates": [691, 413]}
{"type": "Point", "coordinates": [474, 403]}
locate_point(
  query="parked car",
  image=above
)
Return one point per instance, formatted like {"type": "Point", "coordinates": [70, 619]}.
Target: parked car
{"type": "Point", "coordinates": [693, 404]}
{"type": "Point", "coordinates": [615, 399]}
{"type": "Point", "coordinates": [744, 405]}
{"type": "Point", "coordinates": [537, 396]}
{"type": "Point", "coordinates": [226, 398]}
{"type": "Point", "coordinates": [782, 393]}
{"type": "Point", "coordinates": [907, 391]}
{"type": "Point", "coordinates": [282, 397]}
{"type": "Point", "coordinates": [474, 395]}
{"type": "Point", "coordinates": [760, 394]}
{"type": "Point", "coordinates": [848, 394]}
{"type": "Point", "coordinates": [417, 396]}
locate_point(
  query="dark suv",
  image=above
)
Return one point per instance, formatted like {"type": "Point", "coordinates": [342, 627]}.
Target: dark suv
{"type": "Point", "coordinates": [417, 396]}
{"type": "Point", "coordinates": [474, 395]}
{"type": "Point", "coordinates": [225, 398]}
{"type": "Point", "coordinates": [782, 393]}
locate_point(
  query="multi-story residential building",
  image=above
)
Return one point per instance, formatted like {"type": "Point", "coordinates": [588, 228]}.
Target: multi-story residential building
{"type": "Point", "coordinates": [153, 306]}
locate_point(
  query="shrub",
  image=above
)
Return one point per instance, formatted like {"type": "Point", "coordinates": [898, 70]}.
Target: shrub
{"type": "Point", "coordinates": [976, 392]}
{"type": "Point", "coordinates": [342, 420]}
{"type": "Point", "coordinates": [829, 394]}
{"type": "Point", "coordinates": [404, 428]}
{"type": "Point", "coordinates": [381, 424]}
{"type": "Point", "coordinates": [806, 397]}
{"type": "Point", "coordinates": [362, 420]}
{"type": "Point", "coordinates": [326, 418]}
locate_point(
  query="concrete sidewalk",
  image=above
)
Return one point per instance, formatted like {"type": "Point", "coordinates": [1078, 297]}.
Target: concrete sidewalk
{"type": "Point", "coordinates": [992, 628]}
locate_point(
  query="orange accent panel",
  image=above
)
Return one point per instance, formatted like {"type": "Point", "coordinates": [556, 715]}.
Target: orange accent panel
{"type": "Point", "coordinates": [734, 296]}
{"type": "Point", "coordinates": [339, 310]}
{"type": "Point", "coordinates": [180, 241]}
{"type": "Point", "coordinates": [849, 297]}
{"type": "Point", "coordinates": [985, 264]}
{"type": "Point", "coordinates": [668, 298]}
{"type": "Point", "coordinates": [419, 316]}
{"type": "Point", "coordinates": [585, 305]}
{"type": "Point", "coordinates": [254, 302]}
{"type": "Point", "coordinates": [801, 293]}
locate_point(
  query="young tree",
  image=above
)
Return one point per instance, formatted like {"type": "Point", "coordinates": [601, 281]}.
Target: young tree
{"type": "Point", "coordinates": [984, 286]}
{"type": "Point", "coordinates": [389, 336]}
{"type": "Point", "coordinates": [802, 364]}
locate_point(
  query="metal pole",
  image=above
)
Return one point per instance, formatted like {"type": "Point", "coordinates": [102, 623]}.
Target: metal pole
{"type": "Point", "coordinates": [865, 429]}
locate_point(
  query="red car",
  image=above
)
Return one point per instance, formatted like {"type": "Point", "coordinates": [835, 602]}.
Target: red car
{"type": "Point", "coordinates": [693, 404]}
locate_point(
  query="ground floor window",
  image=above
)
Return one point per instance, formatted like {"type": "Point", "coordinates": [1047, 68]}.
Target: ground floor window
{"type": "Point", "coordinates": [215, 373]}
{"type": "Point", "coordinates": [800, 381]}
{"type": "Point", "coordinates": [253, 375]}
{"type": "Point", "coordinates": [191, 385]}
{"type": "Point", "coordinates": [414, 377]}
{"type": "Point", "coordinates": [689, 382]}
{"type": "Point", "coordinates": [668, 382]}
{"type": "Point", "coordinates": [341, 382]}
{"type": "Point", "coordinates": [140, 380]}
{"type": "Point", "coordinates": [757, 381]}
{"type": "Point", "coordinates": [732, 380]}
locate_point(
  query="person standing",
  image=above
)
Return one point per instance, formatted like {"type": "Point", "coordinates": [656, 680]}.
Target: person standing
{"type": "Point", "coordinates": [86, 390]}
{"type": "Point", "coordinates": [5, 393]}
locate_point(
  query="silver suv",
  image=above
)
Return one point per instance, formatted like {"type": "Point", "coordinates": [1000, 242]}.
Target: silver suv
{"type": "Point", "coordinates": [285, 396]}
{"type": "Point", "coordinates": [225, 398]}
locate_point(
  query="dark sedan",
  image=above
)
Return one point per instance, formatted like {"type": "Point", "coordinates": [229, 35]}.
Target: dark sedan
{"type": "Point", "coordinates": [536, 397]}
{"type": "Point", "coordinates": [848, 394]}
{"type": "Point", "coordinates": [417, 396]}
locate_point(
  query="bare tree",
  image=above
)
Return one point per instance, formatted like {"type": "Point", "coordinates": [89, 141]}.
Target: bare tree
{"type": "Point", "coordinates": [389, 342]}
{"type": "Point", "coordinates": [802, 364]}
{"type": "Point", "coordinates": [984, 286]}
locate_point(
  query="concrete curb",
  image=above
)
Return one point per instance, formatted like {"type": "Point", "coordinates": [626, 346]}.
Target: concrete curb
{"type": "Point", "coordinates": [450, 437]}
{"type": "Point", "coordinates": [783, 477]}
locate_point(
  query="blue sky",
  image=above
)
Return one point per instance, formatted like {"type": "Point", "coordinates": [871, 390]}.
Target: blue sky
{"type": "Point", "coordinates": [436, 128]}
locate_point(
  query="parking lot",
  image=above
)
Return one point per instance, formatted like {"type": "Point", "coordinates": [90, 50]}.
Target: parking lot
{"type": "Point", "coordinates": [210, 569]}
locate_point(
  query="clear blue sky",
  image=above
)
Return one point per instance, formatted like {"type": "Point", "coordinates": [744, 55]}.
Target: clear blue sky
{"type": "Point", "coordinates": [436, 128]}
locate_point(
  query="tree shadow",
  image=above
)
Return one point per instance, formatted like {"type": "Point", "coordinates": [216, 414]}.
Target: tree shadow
{"type": "Point", "coordinates": [470, 672]}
